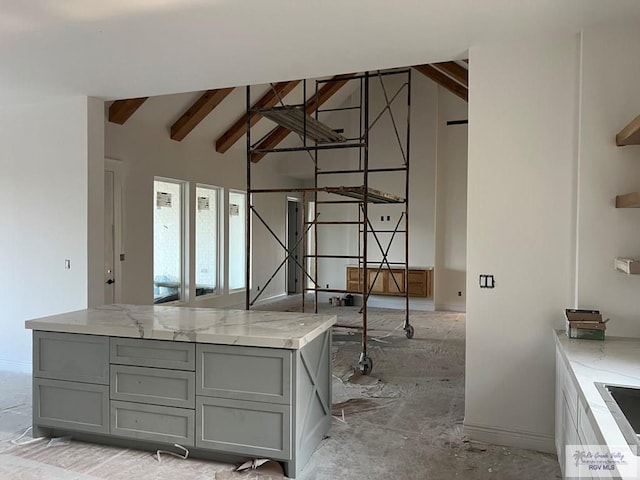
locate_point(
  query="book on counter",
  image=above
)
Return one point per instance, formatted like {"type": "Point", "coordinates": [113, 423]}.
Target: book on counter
{"type": "Point", "coordinates": [585, 324]}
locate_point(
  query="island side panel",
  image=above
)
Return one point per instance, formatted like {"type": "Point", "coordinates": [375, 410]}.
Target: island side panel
{"type": "Point", "coordinates": [313, 395]}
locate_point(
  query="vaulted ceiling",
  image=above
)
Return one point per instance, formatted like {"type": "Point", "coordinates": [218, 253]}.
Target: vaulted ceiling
{"type": "Point", "coordinates": [135, 48]}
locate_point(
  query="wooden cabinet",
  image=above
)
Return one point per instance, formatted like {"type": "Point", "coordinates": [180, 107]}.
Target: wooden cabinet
{"type": "Point", "coordinates": [392, 282]}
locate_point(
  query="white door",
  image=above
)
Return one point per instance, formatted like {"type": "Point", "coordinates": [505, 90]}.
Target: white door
{"type": "Point", "coordinates": [109, 238]}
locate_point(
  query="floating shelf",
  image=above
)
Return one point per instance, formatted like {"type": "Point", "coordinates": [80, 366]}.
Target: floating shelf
{"type": "Point", "coordinates": [629, 135]}
{"type": "Point", "coordinates": [299, 122]}
{"type": "Point", "coordinates": [630, 200]}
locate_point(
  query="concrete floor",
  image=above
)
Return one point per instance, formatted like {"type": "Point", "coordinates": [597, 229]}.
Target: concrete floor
{"type": "Point", "coordinates": [404, 421]}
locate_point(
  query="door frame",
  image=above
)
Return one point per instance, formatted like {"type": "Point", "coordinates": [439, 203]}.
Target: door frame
{"type": "Point", "coordinates": [117, 168]}
{"type": "Point", "coordinates": [301, 252]}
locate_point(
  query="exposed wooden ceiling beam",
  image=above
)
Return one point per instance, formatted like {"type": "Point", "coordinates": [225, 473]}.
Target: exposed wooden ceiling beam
{"type": "Point", "coordinates": [121, 110]}
{"type": "Point", "coordinates": [239, 128]}
{"type": "Point", "coordinates": [324, 93]}
{"type": "Point", "coordinates": [455, 71]}
{"type": "Point", "coordinates": [198, 112]}
{"type": "Point", "coordinates": [444, 81]}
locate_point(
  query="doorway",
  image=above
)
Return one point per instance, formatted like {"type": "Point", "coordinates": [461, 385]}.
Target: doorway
{"type": "Point", "coordinates": [294, 245]}
{"type": "Point", "coordinates": [112, 232]}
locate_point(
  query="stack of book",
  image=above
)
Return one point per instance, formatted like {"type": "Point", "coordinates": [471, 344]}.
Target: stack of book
{"type": "Point", "coordinates": [586, 324]}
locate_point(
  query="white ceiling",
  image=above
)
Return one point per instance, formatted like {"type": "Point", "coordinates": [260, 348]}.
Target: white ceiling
{"type": "Point", "coordinates": [130, 48]}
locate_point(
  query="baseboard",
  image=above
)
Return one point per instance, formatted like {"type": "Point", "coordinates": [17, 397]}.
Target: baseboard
{"type": "Point", "coordinates": [15, 367]}
{"type": "Point", "coordinates": [398, 303]}
{"type": "Point", "coordinates": [452, 307]}
{"type": "Point", "coordinates": [511, 438]}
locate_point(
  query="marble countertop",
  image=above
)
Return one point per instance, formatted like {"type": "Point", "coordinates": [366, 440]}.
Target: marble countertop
{"type": "Point", "coordinates": [204, 325]}
{"type": "Point", "coordinates": [616, 361]}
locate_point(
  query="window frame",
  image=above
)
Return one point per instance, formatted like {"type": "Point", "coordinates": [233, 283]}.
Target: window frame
{"type": "Point", "coordinates": [218, 290]}
{"type": "Point", "coordinates": [228, 239]}
{"type": "Point", "coordinates": [183, 290]}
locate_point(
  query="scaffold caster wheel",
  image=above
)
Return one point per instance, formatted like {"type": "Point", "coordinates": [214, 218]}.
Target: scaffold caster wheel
{"type": "Point", "coordinates": [365, 365]}
{"type": "Point", "coordinates": [408, 331]}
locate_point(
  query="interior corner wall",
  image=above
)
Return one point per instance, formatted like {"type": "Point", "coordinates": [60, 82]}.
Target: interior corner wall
{"type": "Point", "coordinates": [43, 213]}
{"type": "Point", "coordinates": [95, 199]}
{"type": "Point", "coordinates": [521, 212]}
{"type": "Point", "coordinates": [451, 205]}
{"type": "Point", "coordinates": [610, 76]}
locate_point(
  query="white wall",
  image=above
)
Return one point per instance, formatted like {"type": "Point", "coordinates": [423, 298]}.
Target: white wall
{"type": "Point", "coordinates": [43, 218]}
{"type": "Point", "coordinates": [145, 149]}
{"type": "Point", "coordinates": [610, 100]}
{"type": "Point", "coordinates": [522, 160]}
{"type": "Point", "coordinates": [451, 205]}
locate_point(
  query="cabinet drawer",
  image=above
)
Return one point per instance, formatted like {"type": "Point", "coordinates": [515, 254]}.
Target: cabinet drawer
{"type": "Point", "coordinates": [246, 428]}
{"type": "Point", "coordinates": [71, 356]}
{"type": "Point", "coordinates": [70, 405]}
{"type": "Point", "coordinates": [153, 353]}
{"type": "Point", "coordinates": [173, 388]}
{"type": "Point", "coordinates": [244, 373]}
{"type": "Point", "coordinates": [153, 423]}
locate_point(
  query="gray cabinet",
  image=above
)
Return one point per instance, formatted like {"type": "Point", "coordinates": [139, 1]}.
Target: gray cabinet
{"type": "Point", "coordinates": [242, 427]}
{"type": "Point", "coordinates": [153, 353]}
{"type": "Point", "coordinates": [152, 422]}
{"type": "Point", "coordinates": [159, 386]}
{"type": "Point", "coordinates": [234, 400]}
{"type": "Point", "coordinates": [244, 373]}
{"type": "Point", "coordinates": [71, 405]}
{"type": "Point", "coordinates": [71, 356]}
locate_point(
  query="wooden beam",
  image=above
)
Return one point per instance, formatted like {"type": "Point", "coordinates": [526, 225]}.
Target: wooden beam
{"type": "Point", "coordinates": [239, 128]}
{"type": "Point", "coordinates": [324, 93]}
{"type": "Point", "coordinates": [121, 110]}
{"type": "Point", "coordinates": [198, 112]}
{"type": "Point", "coordinates": [455, 71]}
{"type": "Point", "coordinates": [444, 81]}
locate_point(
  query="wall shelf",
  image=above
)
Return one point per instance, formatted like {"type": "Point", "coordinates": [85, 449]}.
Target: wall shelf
{"type": "Point", "coordinates": [629, 135]}
{"type": "Point", "coordinates": [629, 200]}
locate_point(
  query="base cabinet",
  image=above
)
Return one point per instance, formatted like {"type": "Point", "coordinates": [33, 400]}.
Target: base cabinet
{"type": "Point", "coordinates": [219, 399]}
{"type": "Point", "coordinates": [574, 426]}
{"type": "Point", "coordinates": [392, 282]}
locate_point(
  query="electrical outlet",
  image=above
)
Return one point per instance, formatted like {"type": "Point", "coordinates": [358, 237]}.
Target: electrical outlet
{"type": "Point", "coordinates": [327, 285]}
{"type": "Point", "coordinates": [258, 287]}
{"type": "Point", "coordinates": [487, 281]}
{"type": "Point", "coordinates": [459, 293]}
{"type": "Point", "coordinates": [67, 264]}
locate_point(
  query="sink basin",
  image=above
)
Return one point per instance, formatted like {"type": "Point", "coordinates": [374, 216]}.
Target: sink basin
{"type": "Point", "coordinates": [624, 404]}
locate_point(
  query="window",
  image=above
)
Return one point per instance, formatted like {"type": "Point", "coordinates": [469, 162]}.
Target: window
{"type": "Point", "coordinates": [237, 240]}
{"type": "Point", "coordinates": [168, 273]}
{"type": "Point", "coordinates": [207, 232]}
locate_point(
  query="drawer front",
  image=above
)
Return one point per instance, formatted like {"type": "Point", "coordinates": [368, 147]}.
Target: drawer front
{"type": "Point", "coordinates": [245, 428]}
{"type": "Point", "coordinates": [71, 356]}
{"type": "Point", "coordinates": [153, 423]}
{"type": "Point", "coordinates": [173, 388]}
{"type": "Point", "coordinates": [418, 283]}
{"type": "Point", "coordinates": [153, 353]}
{"type": "Point", "coordinates": [244, 373]}
{"type": "Point", "coordinates": [69, 405]}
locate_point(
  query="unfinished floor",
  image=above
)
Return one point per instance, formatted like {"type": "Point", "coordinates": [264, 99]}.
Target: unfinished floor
{"type": "Point", "coordinates": [402, 422]}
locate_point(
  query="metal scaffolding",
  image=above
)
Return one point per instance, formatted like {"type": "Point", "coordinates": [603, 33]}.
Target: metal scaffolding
{"type": "Point", "coordinates": [318, 138]}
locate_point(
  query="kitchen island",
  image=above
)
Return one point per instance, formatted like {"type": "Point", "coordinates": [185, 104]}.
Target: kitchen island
{"type": "Point", "coordinates": [225, 384]}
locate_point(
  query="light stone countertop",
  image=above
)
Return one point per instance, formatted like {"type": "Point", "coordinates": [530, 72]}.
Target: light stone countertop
{"type": "Point", "coordinates": [184, 324]}
{"type": "Point", "coordinates": [616, 361]}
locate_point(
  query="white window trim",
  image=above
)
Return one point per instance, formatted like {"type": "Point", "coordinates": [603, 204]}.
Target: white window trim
{"type": "Point", "coordinates": [232, 291]}
{"type": "Point", "coordinates": [219, 290]}
{"type": "Point", "coordinates": [184, 254]}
